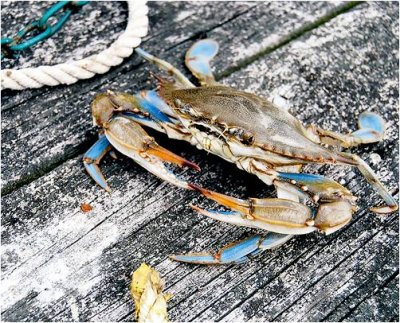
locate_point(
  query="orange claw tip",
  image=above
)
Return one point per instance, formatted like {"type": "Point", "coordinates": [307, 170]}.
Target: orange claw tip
{"type": "Point", "coordinates": [386, 209]}
{"type": "Point", "coordinates": [170, 157]}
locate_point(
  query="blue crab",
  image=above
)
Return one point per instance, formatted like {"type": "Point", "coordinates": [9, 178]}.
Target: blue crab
{"type": "Point", "coordinates": [243, 128]}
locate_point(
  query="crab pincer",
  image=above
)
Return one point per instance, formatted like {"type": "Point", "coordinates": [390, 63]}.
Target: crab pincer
{"type": "Point", "coordinates": [123, 132]}
{"type": "Point", "coordinates": [92, 159]}
{"type": "Point", "coordinates": [279, 215]}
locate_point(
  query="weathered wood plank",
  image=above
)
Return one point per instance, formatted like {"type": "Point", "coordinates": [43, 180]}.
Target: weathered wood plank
{"type": "Point", "coordinates": [375, 307]}
{"type": "Point", "coordinates": [357, 299]}
{"type": "Point", "coordinates": [60, 264]}
{"type": "Point", "coordinates": [63, 112]}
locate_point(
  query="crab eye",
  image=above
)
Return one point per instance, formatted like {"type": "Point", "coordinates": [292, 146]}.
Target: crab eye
{"type": "Point", "coordinates": [245, 137]}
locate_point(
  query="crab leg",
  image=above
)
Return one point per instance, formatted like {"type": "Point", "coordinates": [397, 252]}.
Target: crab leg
{"type": "Point", "coordinates": [373, 180]}
{"type": "Point", "coordinates": [371, 129]}
{"type": "Point", "coordinates": [126, 135]}
{"type": "Point", "coordinates": [153, 99]}
{"type": "Point", "coordinates": [198, 59]}
{"type": "Point", "coordinates": [271, 214]}
{"type": "Point", "coordinates": [243, 250]}
{"type": "Point", "coordinates": [145, 103]}
{"type": "Point", "coordinates": [325, 189]}
{"type": "Point", "coordinates": [178, 76]}
{"type": "Point", "coordinates": [237, 252]}
{"type": "Point", "coordinates": [92, 159]}
{"type": "Point", "coordinates": [280, 215]}
{"type": "Point", "coordinates": [131, 140]}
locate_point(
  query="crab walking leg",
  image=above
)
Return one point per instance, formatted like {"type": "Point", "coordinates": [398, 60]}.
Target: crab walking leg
{"type": "Point", "coordinates": [165, 118]}
{"type": "Point", "coordinates": [144, 121]}
{"type": "Point", "coordinates": [373, 180]}
{"type": "Point", "coordinates": [141, 103]}
{"type": "Point", "coordinates": [198, 59]}
{"type": "Point", "coordinates": [130, 139]}
{"type": "Point", "coordinates": [237, 252]}
{"type": "Point", "coordinates": [92, 159]}
{"type": "Point", "coordinates": [371, 129]}
{"type": "Point", "coordinates": [178, 76]}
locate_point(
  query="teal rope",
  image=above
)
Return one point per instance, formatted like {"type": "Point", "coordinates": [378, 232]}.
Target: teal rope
{"type": "Point", "coordinates": [11, 46]}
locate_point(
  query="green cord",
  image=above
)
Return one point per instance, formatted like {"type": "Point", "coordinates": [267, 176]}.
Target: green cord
{"type": "Point", "coordinates": [11, 46]}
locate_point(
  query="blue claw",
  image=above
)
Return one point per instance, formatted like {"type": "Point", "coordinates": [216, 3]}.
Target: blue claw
{"type": "Point", "coordinates": [198, 59]}
{"type": "Point", "coordinates": [92, 159]}
{"type": "Point", "coordinates": [370, 120]}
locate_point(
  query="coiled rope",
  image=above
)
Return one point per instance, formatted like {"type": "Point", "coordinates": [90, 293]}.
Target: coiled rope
{"type": "Point", "coordinates": [71, 72]}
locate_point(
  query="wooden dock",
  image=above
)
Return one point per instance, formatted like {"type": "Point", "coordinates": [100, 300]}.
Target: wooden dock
{"type": "Point", "coordinates": [329, 60]}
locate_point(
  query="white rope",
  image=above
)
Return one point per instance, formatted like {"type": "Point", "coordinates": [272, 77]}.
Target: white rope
{"type": "Point", "coordinates": [71, 72]}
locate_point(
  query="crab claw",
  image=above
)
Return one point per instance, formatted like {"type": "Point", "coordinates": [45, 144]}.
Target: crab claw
{"type": "Point", "coordinates": [130, 139]}
{"type": "Point", "coordinates": [198, 59]}
{"type": "Point", "coordinates": [372, 128]}
{"type": "Point", "coordinates": [92, 159]}
{"type": "Point", "coordinates": [278, 215]}
{"type": "Point", "coordinates": [271, 214]}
